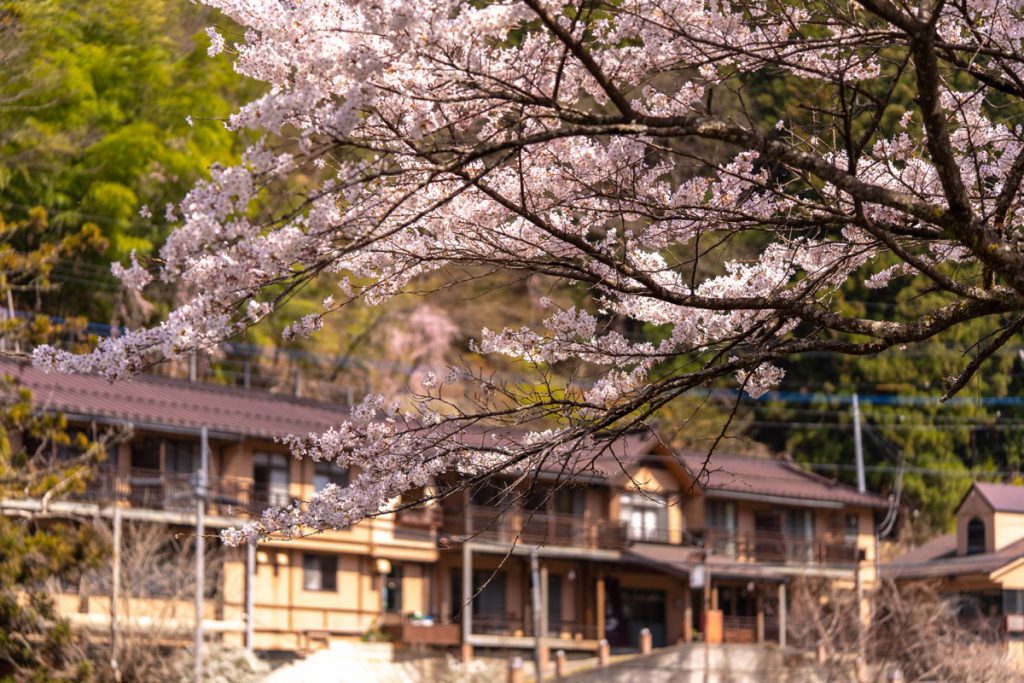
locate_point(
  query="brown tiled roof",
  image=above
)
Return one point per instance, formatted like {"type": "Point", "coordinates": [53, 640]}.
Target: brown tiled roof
{"type": "Point", "coordinates": [1002, 497]}
{"type": "Point", "coordinates": [152, 402]}
{"type": "Point", "coordinates": [745, 475]}
{"type": "Point", "coordinates": [938, 558]}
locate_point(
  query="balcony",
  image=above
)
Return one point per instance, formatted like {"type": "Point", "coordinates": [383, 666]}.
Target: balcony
{"type": "Point", "coordinates": [529, 528]}
{"type": "Point", "coordinates": [418, 517]}
{"type": "Point", "coordinates": [171, 491]}
{"type": "Point", "coordinates": [780, 548]}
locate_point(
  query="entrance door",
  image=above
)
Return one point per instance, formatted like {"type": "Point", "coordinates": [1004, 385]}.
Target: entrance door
{"type": "Point", "coordinates": [768, 541]}
{"type": "Point", "coordinates": [644, 609]}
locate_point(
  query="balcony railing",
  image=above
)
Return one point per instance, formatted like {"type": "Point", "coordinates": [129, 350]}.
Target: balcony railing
{"type": "Point", "coordinates": [779, 547]}
{"type": "Point", "coordinates": [418, 517]}
{"type": "Point", "coordinates": [521, 526]}
{"type": "Point", "coordinates": [172, 491]}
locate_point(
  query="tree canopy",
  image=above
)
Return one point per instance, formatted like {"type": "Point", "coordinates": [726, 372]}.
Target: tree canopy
{"type": "Point", "coordinates": [611, 148]}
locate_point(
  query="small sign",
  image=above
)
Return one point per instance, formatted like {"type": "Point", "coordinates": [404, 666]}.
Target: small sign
{"type": "Point", "coordinates": [697, 576]}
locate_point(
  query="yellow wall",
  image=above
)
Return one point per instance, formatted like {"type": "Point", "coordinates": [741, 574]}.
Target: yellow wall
{"type": "Point", "coordinates": [1008, 527]}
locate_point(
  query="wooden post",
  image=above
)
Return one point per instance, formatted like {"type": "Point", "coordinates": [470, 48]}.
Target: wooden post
{"type": "Point", "coordinates": [600, 607]}
{"type": "Point", "coordinates": [201, 483]}
{"type": "Point", "coordinates": [707, 609]}
{"type": "Point", "coordinates": [603, 653]}
{"type": "Point", "coordinates": [544, 607]}
{"type": "Point", "coordinates": [687, 614]}
{"type": "Point", "coordinates": [561, 665]}
{"type": "Point", "coordinates": [250, 597]}
{"type": "Point", "coordinates": [760, 616]}
{"type": "Point", "coordinates": [466, 611]}
{"type": "Point", "coordinates": [115, 592]}
{"type": "Point", "coordinates": [538, 615]}
{"type": "Point", "coordinates": [782, 614]}
{"type": "Point", "coordinates": [645, 641]}
{"type": "Point", "coordinates": [515, 670]}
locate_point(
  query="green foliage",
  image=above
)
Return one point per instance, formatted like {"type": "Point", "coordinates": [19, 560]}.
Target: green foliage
{"type": "Point", "coordinates": [45, 460]}
{"type": "Point", "coordinates": [93, 110]}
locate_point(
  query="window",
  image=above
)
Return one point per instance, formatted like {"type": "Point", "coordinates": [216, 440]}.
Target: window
{"type": "Point", "coordinates": [270, 478]}
{"type": "Point", "coordinates": [146, 454]}
{"type": "Point", "coordinates": [489, 493]}
{"type": "Point", "coordinates": [721, 527]}
{"type": "Point", "coordinates": [393, 590]}
{"type": "Point", "coordinates": [975, 536]}
{"type": "Point", "coordinates": [181, 457]}
{"type": "Point", "coordinates": [645, 515]}
{"type": "Point", "coordinates": [325, 473]}
{"type": "Point", "coordinates": [319, 572]}
{"type": "Point", "coordinates": [852, 528]}
{"type": "Point", "coordinates": [722, 515]}
{"type": "Point", "coordinates": [554, 604]}
{"type": "Point", "coordinates": [1013, 602]}
{"type": "Point", "coordinates": [489, 603]}
{"type": "Point", "coordinates": [569, 501]}
{"type": "Point", "coordinates": [799, 535]}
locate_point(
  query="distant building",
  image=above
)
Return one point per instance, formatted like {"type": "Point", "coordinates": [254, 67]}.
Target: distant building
{"type": "Point", "coordinates": [981, 564]}
{"type": "Point", "coordinates": [617, 551]}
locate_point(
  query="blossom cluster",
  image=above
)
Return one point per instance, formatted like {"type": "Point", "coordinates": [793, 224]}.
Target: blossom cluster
{"type": "Point", "coordinates": [527, 135]}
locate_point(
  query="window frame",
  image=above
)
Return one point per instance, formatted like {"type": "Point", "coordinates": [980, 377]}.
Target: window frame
{"type": "Point", "coordinates": [326, 573]}
{"type": "Point", "coordinates": [330, 474]}
{"type": "Point", "coordinates": [973, 547]}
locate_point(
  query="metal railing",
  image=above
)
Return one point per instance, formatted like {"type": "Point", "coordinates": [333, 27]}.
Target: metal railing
{"type": "Point", "coordinates": [780, 547]}
{"type": "Point", "coordinates": [172, 491]}
{"type": "Point", "coordinates": [534, 528]}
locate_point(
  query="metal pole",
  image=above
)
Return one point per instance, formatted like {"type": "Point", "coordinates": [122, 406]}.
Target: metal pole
{"type": "Point", "coordinates": [858, 446]}
{"type": "Point", "coordinates": [201, 484]}
{"type": "Point", "coordinates": [707, 609]}
{"type": "Point", "coordinates": [466, 611]}
{"type": "Point", "coordinates": [538, 610]}
{"type": "Point", "coordinates": [115, 594]}
{"type": "Point", "coordinates": [250, 597]}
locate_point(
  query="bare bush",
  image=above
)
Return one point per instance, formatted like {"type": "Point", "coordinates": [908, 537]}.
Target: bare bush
{"type": "Point", "coordinates": [156, 615]}
{"type": "Point", "coordinates": [910, 627]}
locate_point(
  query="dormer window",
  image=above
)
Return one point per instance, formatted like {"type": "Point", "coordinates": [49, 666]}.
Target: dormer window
{"type": "Point", "coordinates": [975, 536]}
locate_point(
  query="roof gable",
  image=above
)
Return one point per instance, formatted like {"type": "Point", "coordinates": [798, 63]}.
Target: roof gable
{"type": "Point", "coordinates": [1000, 497]}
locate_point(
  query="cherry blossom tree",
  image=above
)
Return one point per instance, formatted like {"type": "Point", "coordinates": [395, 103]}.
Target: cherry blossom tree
{"type": "Point", "coordinates": [580, 141]}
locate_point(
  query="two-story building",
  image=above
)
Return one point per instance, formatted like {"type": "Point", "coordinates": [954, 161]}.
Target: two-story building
{"type": "Point", "coordinates": [623, 548]}
{"type": "Point", "coordinates": [980, 565]}
{"type": "Point", "coordinates": [305, 591]}
{"type": "Point", "coordinates": [644, 537]}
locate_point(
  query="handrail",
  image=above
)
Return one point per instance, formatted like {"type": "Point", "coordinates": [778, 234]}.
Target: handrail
{"type": "Point", "coordinates": [169, 490]}
{"type": "Point", "coordinates": [515, 525]}
{"type": "Point", "coordinates": [774, 546]}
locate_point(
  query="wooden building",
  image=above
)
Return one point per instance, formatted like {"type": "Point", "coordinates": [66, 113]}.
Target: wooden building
{"type": "Point", "coordinates": [980, 565]}
{"type": "Point", "coordinates": [616, 551]}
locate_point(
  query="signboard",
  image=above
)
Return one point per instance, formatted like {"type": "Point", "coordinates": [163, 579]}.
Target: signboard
{"type": "Point", "coordinates": [697, 577]}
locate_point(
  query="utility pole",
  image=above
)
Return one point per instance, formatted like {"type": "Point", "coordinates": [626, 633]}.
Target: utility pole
{"type": "Point", "coordinates": [201, 486]}
{"type": "Point", "coordinates": [858, 446]}
{"type": "Point", "coordinates": [538, 608]}
{"type": "Point", "coordinates": [115, 592]}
